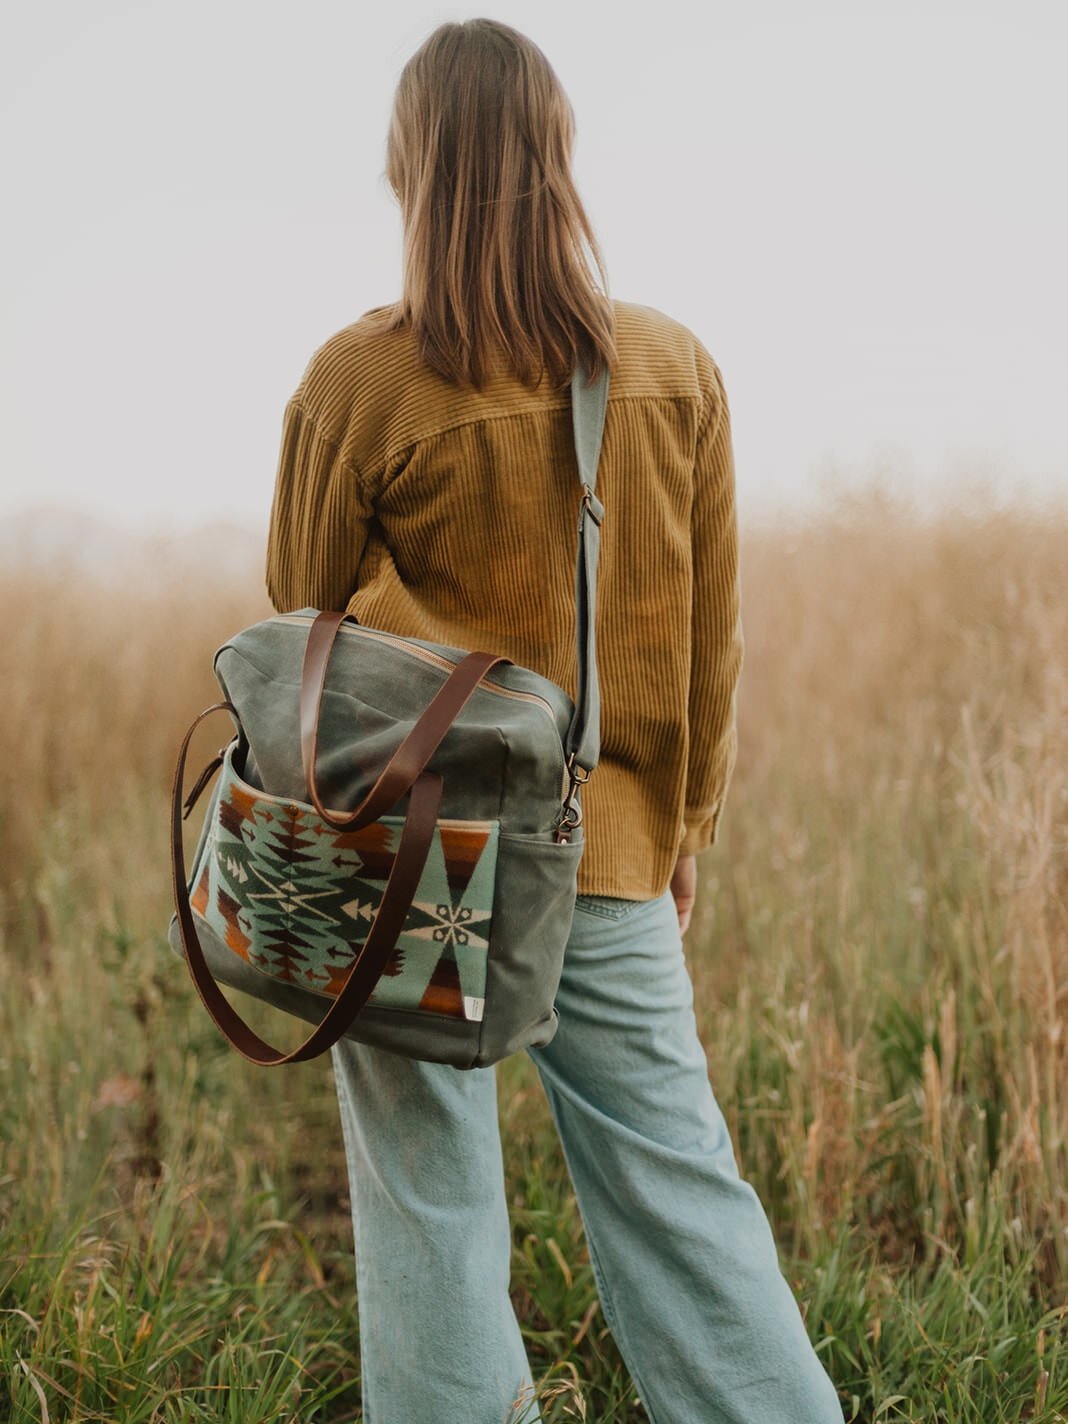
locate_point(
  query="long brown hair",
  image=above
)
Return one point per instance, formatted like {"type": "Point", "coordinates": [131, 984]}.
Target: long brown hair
{"type": "Point", "coordinates": [479, 158]}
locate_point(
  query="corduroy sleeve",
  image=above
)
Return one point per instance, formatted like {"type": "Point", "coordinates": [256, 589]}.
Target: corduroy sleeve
{"type": "Point", "coordinates": [718, 645]}
{"type": "Point", "coordinates": [319, 518]}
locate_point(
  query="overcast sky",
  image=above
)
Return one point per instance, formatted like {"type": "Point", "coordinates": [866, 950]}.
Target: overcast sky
{"type": "Point", "coordinates": [859, 208]}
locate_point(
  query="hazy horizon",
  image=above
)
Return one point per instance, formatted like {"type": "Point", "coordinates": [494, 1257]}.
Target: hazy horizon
{"type": "Point", "coordinates": [854, 211]}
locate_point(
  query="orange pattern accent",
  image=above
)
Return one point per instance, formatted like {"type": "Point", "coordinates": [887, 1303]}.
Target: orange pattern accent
{"type": "Point", "coordinates": [443, 995]}
{"type": "Point", "coordinates": [374, 844]}
{"type": "Point", "coordinates": [199, 897]}
{"type": "Point", "coordinates": [461, 847]}
{"type": "Point", "coordinates": [237, 807]}
{"type": "Point", "coordinates": [236, 938]}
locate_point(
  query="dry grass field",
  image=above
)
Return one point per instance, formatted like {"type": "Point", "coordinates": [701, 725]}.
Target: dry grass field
{"type": "Point", "coordinates": [880, 959]}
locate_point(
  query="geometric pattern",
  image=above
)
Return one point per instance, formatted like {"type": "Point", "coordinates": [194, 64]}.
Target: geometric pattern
{"type": "Point", "coordinates": [295, 897]}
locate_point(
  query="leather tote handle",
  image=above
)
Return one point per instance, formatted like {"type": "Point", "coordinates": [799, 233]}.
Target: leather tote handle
{"type": "Point", "coordinates": [414, 751]}
{"type": "Point", "coordinates": [366, 968]}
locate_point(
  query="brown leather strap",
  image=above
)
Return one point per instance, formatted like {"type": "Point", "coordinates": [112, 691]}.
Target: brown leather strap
{"type": "Point", "coordinates": [414, 751]}
{"type": "Point", "coordinates": [366, 969]}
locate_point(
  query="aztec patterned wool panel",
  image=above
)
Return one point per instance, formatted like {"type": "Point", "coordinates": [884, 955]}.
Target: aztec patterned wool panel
{"type": "Point", "coordinates": [295, 897]}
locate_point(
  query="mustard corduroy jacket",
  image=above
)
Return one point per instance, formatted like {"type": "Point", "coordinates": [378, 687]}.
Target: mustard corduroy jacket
{"type": "Point", "coordinates": [438, 512]}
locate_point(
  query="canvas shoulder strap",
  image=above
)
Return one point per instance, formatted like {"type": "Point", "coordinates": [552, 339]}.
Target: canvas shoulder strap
{"type": "Point", "coordinates": [589, 403]}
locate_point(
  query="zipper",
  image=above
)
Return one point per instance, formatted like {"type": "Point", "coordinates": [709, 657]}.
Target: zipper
{"type": "Point", "coordinates": [436, 659]}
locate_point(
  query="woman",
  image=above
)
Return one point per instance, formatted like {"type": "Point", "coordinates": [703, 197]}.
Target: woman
{"type": "Point", "coordinates": [426, 484]}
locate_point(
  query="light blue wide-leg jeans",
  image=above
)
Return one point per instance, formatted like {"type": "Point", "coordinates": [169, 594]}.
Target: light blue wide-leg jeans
{"type": "Point", "coordinates": [682, 1251]}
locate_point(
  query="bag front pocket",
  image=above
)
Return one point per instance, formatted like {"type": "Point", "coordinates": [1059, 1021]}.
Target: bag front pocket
{"type": "Point", "coordinates": [295, 898]}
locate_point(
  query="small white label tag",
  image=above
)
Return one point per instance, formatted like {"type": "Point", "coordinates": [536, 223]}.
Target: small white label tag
{"type": "Point", "coordinates": [473, 1008]}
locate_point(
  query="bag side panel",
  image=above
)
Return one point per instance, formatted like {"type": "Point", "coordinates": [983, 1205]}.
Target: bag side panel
{"type": "Point", "coordinates": [534, 905]}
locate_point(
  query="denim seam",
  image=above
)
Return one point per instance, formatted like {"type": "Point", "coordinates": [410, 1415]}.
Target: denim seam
{"type": "Point", "coordinates": [610, 1316]}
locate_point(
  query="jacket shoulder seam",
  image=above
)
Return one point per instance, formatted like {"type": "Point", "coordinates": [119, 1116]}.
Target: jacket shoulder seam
{"type": "Point", "coordinates": [449, 426]}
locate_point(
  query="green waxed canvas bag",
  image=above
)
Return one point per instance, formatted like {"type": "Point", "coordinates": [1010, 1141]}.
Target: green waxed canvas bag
{"type": "Point", "coordinates": [391, 846]}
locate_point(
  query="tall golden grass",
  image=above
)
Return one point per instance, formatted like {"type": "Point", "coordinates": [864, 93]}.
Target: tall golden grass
{"type": "Point", "coordinates": [902, 787]}
{"type": "Point", "coordinates": [880, 948]}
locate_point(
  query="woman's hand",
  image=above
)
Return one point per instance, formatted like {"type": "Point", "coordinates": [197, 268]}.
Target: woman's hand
{"type": "Point", "coordinates": [684, 889]}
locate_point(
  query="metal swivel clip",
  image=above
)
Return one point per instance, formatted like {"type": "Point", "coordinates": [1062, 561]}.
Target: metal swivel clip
{"type": "Point", "coordinates": [571, 811]}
